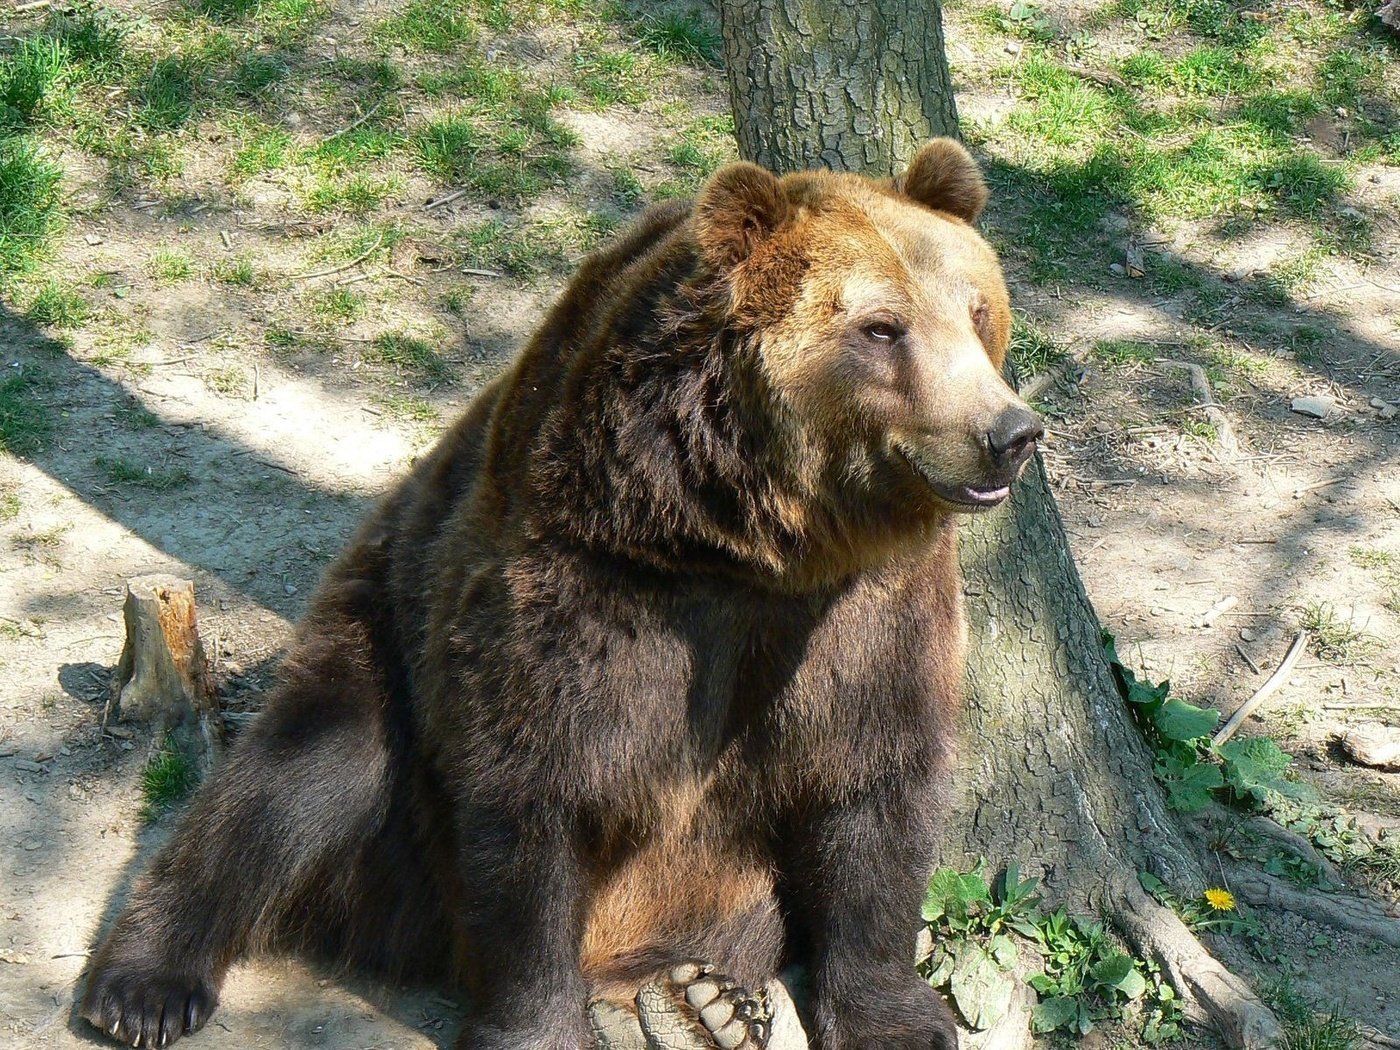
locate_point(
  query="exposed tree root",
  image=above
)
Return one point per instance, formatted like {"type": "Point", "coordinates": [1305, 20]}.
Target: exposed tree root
{"type": "Point", "coordinates": [1353, 914]}
{"type": "Point", "coordinates": [1210, 992]}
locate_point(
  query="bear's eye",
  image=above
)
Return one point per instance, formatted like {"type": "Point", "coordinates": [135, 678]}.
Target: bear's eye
{"type": "Point", "coordinates": [882, 332]}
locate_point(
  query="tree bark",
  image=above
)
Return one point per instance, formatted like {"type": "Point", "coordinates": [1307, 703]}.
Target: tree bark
{"type": "Point", "coordinates": [1053, 773]}
{"type": "Point", "coordinates": [841, 84]}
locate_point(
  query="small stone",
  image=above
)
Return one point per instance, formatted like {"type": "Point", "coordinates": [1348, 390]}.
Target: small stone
{"type": "Point", "coordinates": [1013, 48]}
{"type": "Point", "coordinates": [1247, 635]}
{"type": "Point", "coordinates": [1117, 269]}
{"type": "Point", "coordinates": [1389, 412]}
{"type": "Point", "coordinates": [1317, 407]}
{"type": "Point", "coordinates": [92, 239]}
{"type": "Point", "coordinates": [28, 766]}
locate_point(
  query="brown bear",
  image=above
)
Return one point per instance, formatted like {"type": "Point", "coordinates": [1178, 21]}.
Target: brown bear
{"type": "Point", "coordinates": [656, 657]}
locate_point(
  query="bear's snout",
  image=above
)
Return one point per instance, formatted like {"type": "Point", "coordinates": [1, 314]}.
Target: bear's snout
{"type": "Point", "coordinates": [1012, 437]}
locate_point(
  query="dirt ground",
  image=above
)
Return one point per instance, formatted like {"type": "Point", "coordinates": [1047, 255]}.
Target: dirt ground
{"type": "Point", "coordinates": [278, 456]}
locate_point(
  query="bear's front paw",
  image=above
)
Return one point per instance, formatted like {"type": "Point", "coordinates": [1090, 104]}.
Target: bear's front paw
{"type": "Point", "coordinates": [149, 1009]}
{"type": "Point", "coordinates": [907, 1016]}
{"type": "Point", "coordinates": [691, 1007]}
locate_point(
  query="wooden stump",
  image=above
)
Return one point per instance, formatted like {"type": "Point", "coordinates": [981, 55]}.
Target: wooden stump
{"type": "Point", "coordinates": [163, 679]}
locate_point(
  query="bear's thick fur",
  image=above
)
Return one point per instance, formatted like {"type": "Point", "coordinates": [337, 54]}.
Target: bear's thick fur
{"type": "Point", "coordinates": [656, 656]}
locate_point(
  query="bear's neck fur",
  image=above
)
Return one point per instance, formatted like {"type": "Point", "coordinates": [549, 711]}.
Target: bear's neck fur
{"type": "Point", "coordinates": [664, 443]}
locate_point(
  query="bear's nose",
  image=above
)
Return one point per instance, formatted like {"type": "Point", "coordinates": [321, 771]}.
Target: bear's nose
{"type": "Point", "coordinates": [1013, 435]}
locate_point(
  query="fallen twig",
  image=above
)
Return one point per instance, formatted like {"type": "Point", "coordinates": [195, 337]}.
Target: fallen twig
{"type": "Point", "coordinates": [1201, 385]}
{"type": "Point", "coordinates": [458, 195]}
{"type": "Point", "coordinates": [481, 273]}
{"type": "Point", "coordinates": [343, 266]}
{"type": "Point", "coordinates": [34, 5]}
{"type": "Point", "coordinates": [1275, 680]}
{"type": "Point", "coordinates": [368, 113]}
{"type": "Point", "coordinates": [1246, 658]}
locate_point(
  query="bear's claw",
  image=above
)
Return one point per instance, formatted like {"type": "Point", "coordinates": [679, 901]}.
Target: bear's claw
{"type": "Point", "coordinates": [694, 1008]}
{"type": "Point", "coordinates": [151, 1012]}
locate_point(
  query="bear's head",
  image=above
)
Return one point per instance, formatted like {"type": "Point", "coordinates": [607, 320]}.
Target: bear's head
{"type": "Point", "coordinates": [878, 320]}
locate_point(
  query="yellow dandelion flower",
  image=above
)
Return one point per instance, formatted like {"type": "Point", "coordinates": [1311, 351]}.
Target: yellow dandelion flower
{"type": "Point", "coordinates": [1220, 900]}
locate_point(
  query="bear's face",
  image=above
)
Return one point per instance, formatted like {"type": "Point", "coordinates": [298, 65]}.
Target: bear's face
{"type": "Point", "coordinates": [881, 320]}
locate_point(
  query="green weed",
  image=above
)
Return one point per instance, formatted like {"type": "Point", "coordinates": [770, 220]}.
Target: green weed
{"type": "Point", "coordinates": [167, 777]}
{"type": "Point", "coordinates": [1122, 353]}
{"type": "Point", "coordinates": [337, 305]}
{"type": "Point", "coordinates": [241, 272]}
{"type": "Point", "coordinates": [1305, 1026]}
{"type": "Point", "coordinates": [686, 37]}
{"type": "Point", "coordinates": [430, 25]}
{"type": "Point", "coordinates": [58, 305]}
{"type": "Point", "coordinates": [605, 76]}
{"type": "Point", "coordinates": [29, 203]}
{"type": "Point", "coordinates": [165, 99]}
{"type": "Point", "coordinates": [410, 354]}
{"type": "Point", "coordinates": [123, 471]}
{"type": "Point", "coordinates": [406, 409]}
{"type": "Point", "coordinates": [1333, 636]}
{"type": "Point", "coordinates": [263, 150]}
{"type": "Point", "coordinates": [1032, 350]}
{"type": "Point", "coordinates": [169, 266]}
{"type": "Point", "coordinates": [10, 506]}
{"type": "Point", "coordinates": [28, 79]}
{"type": "Point", "coordinates": [24, 420]}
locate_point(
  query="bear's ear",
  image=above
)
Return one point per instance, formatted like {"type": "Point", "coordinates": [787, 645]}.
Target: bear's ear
{"type": "Point", "coordinates": [740, 207]}
{"type": "Point", "coordinates": [944, 176]}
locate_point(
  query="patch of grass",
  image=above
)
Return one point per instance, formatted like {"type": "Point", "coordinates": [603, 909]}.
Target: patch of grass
{"type": "Point", "coordinates": [337, 305]}
{"type": "Point", "coordinates": [93, 39]}
{"type": "Point", "coordinates": [58, 305]}
{"type": "Point", "coordinates": [30, 187]}
{"type": "Point", "coordinates": [9, 506]}
{"type": "Point", "coordinates": [354, 194]}
{"type": "Point", "coordinates": [241, 272]}
{"type": "Point", "coordinates": [1333, 636]}
{"type": "Point", "coordinates": [511, 149]}
{"type": "Point", "coordinates": [410, 354]}
{"type": "Point", "coordinates": [377, 75]}
{"type": "Point", "coordinates": [1032, 350]}
{"type": "Point", "coordinates": [167, 778]}
{"type": "Point", "coordinates": [406, 408]}
{"type": "Point", "coordinates": [1305, 1026]}
{"type": "Point", "coordinates": [1122, 353]}
{"type": "Point", "coordinates": [1374, 558]}
{"type": "Point", "coordinates": [169, 266]}
{"type": "Point", "coordinates": [627, 188]}
{"type": "Point", "coordinates": [701, 147]}
{"type": "Point", "coordinates": [28, 78]}
{"type": "Point", "coordinates": [606, 76]}
{"type": "Point", "coordinates": [165, 98]}
{"type": "Point", "coordinates": [257, 74]}
{"type": "Point", "coordinates": [262, 150]}
{"type": "Point", "coordinates": [430, 25]}
{"type": "Point", "coordinates": [230, 380]}
{"type": "Point", "coordinates": [685, 37]}
{"type": "Point", "coordinates": [136, 416]}
{"type": "Point", "coordinates": [1286, 280]}
{"type": "Point", "coordinates": [24, 421]}
{"type": "Point", "coordinates": [124, 471]}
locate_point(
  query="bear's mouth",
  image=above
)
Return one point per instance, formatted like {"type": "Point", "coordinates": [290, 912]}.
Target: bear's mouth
{"type": "Point", "coordinates": [968, 498]}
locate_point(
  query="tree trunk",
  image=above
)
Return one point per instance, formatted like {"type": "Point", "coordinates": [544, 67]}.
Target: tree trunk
{"type": "Point", "coordinates": [842, 84]}
{"type": "Point", "coordinates": [162, 678]}
{"type": "Point", "coordinates": [1053, 773]}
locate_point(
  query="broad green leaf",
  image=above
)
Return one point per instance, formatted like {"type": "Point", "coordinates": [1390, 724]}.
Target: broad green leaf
{"type": "Point", "coordinates": [1178, 720]}
{"type": "Point", "coordinates": [981, 990]}
{"type": "Point", "coordinates": [1119, 973]}
{"type": "Point", "coordinates": [941, 965]}
{"type": "Point", "coordinates": [1189, 787]}
{"type": "Point", "coordinates": [1004, 951]}
{"type": "Point", "coordinates": [1254, 766]}
{"type": "Point", "coordinates": [1052, 1014]}
{"type": "Point", "coordinates": [952, 893]}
